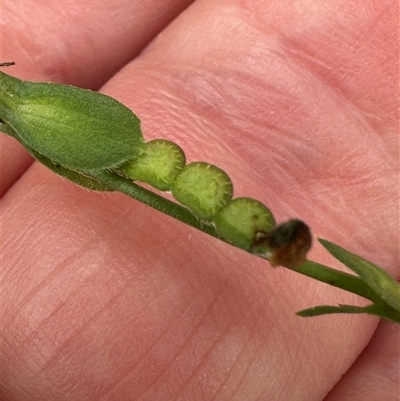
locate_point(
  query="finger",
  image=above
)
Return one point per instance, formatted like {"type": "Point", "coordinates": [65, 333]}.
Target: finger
{"type": "Point", "coordinates": [375, 374]}
{"type": "Point", "coordinates": [351, 47]}
{"type": "Point", "coordinates": [281, 132]}
{"type": "Point", "coordinates": [198, 315]}
{"type": "Point", "coordinates": [77, 43]}
{"type": "Point", "coordinates": [141, 305]}
{"type": "Point", "coordinates": [13, 160]}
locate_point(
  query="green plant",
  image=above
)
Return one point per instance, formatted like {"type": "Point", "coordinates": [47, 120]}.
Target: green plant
{"type": "Point", "coordinates": [96, 142]}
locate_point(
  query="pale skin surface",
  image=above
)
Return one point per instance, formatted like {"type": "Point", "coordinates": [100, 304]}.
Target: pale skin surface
{"type": "Point", "coordinates": [106, 299]}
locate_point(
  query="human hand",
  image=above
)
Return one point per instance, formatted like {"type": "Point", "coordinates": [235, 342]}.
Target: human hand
{"type": "Point", "coordinates": [106, 299]}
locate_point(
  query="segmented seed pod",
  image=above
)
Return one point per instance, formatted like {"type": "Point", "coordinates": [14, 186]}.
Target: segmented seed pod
{"type": "Point", "coordinates": [240, 222]}
{"type": "Point", "coordinates": [86, 136]}
{"type": "Point", "coordinates": [158, 164]}
{"type": "Point", "coordinates": [204, 188]}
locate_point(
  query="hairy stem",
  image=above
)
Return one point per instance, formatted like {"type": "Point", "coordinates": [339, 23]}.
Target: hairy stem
{"type": "Point", "coordinates": [153, 200]}
{"type": "Point", "coordinates": [337, 278]}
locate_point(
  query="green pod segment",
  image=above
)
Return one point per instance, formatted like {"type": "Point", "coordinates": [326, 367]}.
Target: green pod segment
{"type": "Point", "coordinates": [243, 223]}
{"type": "Point", "coordinates": [158, 164]}
{"type": "Point", "coordinates": [204, 188]}
{"type": "Point", "coordinates": [80, 129]}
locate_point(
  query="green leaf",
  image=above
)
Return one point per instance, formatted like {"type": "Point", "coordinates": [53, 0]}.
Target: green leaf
{"type": "Point", "coordinates": [381, 282]}
{"type": "Point", "coordinates": [337, 278]}
{"type": "Point", "coordinates": [373, 309]}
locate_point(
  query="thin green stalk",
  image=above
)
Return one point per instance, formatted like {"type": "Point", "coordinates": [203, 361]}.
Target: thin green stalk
{"type": "Point", "coordinates": [153, 200]}
{"type": "Point", "coordinates": [336, 278]}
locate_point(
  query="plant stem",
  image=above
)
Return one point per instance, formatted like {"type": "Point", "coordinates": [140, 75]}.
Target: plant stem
{"type": "Point", "coordinates": [337, 278]}
{"type": "Point", "coordinates": [153, 200]}
{"type": "Point", "coordinates": [325, 274]}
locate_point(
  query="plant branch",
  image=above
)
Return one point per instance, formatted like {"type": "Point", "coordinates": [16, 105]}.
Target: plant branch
{"type": "Point", "coordinates": [135, 191]}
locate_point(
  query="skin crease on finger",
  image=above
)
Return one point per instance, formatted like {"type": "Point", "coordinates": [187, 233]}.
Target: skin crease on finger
{"type": "Point", "coordinates": [114, 301]}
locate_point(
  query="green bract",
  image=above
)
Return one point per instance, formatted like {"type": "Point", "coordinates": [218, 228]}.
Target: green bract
{"type": "Point", "coordinates": [80, 129]}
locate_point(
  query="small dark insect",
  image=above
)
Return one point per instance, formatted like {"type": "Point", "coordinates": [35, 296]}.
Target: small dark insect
{"type": "Point", "coordinates": [289, 243]}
